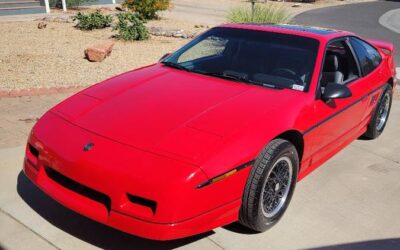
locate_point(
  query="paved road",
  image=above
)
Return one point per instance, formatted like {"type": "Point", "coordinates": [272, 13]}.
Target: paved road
{"type": "Point", "coordinates": [351, 201]}
{"type": "Point", "coordinates": [362, 19]}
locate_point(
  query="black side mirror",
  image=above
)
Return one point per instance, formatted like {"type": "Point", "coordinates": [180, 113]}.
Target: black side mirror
{"type": "Point", "coordinates": [164, 56]}
{"type": "Point", "coordinates": [335, 91]}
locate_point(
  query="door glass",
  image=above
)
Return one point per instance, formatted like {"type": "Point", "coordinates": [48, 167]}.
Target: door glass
{"type": "Point", "coordinates": [368, 56]}
{"type": "Point", "coordinates": [339, 66]}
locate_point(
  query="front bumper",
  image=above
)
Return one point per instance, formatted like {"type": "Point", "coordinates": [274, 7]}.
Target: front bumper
{"type": "Point", "coordinates": [97, 184]}
{"type": "Point", "coordinates": [129, 224]}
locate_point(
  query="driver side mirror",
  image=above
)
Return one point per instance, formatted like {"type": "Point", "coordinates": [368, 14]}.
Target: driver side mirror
{"type": "Point", "coordinates": [335, 91]}
{"type": "Point", "coordinates": [164, 56]}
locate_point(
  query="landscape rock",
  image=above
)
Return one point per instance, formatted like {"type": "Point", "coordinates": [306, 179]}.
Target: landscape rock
{"type": "Point", "coordinates": [99, 52]}
{"type": "Point", "coordinates": [102, 9]}
{"type": "Point", "coordinates": [201, 26]}
{"type": "Point", "coordinates": [177, 33]}
{"type": "Point", "coordinates": [56, 19]}
{"type": "Point", "coordinates": [42, 25]}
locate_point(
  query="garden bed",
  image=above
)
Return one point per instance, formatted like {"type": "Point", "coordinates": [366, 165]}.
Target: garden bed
{"type": "Point", "coordinates": [54, 56]}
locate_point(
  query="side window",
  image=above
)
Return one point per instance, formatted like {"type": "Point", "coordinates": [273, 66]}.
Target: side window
{"type": "Point", "coordinates": [368, 56]}
{"type": "Point", "coordinates": [212, 46]}
{"type": "Point", "coordinates": [339, 66]}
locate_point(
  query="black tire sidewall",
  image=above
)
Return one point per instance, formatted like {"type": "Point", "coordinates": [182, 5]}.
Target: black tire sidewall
{"type": "Point", "coordinates": [388, 89]}
{"type": "Point", "coordinates": [251, 214]}
{"type": "Point", "coordinates": [372, 131]}
{"type": "Point", "coordinates": [291, 153]}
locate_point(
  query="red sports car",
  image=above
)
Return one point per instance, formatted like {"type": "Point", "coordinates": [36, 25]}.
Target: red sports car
{"type": "Point", "coordinates": [217, 132]}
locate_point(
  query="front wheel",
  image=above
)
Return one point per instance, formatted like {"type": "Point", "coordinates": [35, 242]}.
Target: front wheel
{"type": "Point", "coordinates": [270, 186]}
{"type": "Point", "coordinates": [381, 114]}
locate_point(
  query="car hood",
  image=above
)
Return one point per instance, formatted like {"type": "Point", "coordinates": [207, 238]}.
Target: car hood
{"type": "Point", "coordinates": [170, 111]}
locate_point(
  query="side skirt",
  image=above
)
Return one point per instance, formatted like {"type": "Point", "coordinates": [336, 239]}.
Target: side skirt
{"type": "Point", "coordinates": [334, 149]}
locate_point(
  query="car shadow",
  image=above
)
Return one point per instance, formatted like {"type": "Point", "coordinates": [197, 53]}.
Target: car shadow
{"type": "Point", "coordinates": [86, 229]}
{"type": "Point", "coordinates": [236, 227]}
{"type": "Point", "coordinates": [384, 244]}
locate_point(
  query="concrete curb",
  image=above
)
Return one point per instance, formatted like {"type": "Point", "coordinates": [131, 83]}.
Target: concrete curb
{"type": "Point", "coordinates": [391, 20]}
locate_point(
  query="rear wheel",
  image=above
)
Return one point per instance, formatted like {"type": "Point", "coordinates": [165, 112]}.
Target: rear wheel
{"type": "Point", "coordinates": [381, 114]}
{"type": "Point", "coordinates": [270, 186]}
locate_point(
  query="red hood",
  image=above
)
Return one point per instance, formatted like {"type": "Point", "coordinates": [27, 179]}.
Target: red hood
{"type": "Point", "coordinates": [170, 111]}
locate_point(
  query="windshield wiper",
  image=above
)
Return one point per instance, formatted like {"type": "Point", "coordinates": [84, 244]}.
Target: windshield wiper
{"type": "Point", "coordinates": [224, 76]}
{"type": "Point", "coordinates": [264, 84]}
{"type": "Point", "coordinates": [175, 65]}
{"type": "Point", "coordinates": [237, 78]}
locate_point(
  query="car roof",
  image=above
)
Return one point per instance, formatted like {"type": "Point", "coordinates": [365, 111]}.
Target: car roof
{"type": "Point", "coordinates": [315, 30]}
{"type": "Point", "coordinates": [318, 33]}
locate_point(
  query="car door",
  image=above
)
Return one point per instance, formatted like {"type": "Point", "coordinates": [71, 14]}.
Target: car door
{"type": "Point", "coordinates": [338, 121]}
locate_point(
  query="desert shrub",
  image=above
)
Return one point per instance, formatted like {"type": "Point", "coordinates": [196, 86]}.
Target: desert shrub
{"type": "Point", "coordinates": [131, 27]}
{"type": "Point", "coordinates": [147, 9]}
{"type": "Point", "coordinates": [91, 21]}
{"type": "Point", "coordinates": [70, 3]}
{"type": "Point", "coordinates": [263, 13]}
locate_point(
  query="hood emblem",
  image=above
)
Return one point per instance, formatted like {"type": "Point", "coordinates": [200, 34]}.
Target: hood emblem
{"type": "Point", "coordinates": [88, 146]}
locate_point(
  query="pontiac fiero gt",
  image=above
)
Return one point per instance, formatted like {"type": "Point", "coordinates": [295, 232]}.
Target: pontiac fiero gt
{"type": "Point", "coordinates": [217, 132]}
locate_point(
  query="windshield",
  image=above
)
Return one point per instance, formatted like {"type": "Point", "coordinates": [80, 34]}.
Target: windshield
{"type": "Point", "coordinates": [256, 57]}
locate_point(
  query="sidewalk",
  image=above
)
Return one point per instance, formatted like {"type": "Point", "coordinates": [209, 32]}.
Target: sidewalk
{"type": "Point", "coordinates": [19, 114]}
{"type": "Point", "coordinates": [391, 20]}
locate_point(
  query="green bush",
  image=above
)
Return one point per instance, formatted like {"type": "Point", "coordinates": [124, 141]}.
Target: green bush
{"type": "Point", "coordinates": [147, 9]}
{"type": "Point", "coordinates": [131, 27]}
{"type": "Point", "coordinates": [263, 13]}
{"type": "Point", "coordinates": [70, 3]}
{"type": "Point", "coordinates": [92, 21]}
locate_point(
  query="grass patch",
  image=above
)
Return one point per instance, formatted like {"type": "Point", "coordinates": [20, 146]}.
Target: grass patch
{"type": "Point", "coordinates": [263, 13]}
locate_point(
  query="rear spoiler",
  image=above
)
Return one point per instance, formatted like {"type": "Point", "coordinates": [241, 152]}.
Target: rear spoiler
{"type": "Point", "coordinates": [386, 47]}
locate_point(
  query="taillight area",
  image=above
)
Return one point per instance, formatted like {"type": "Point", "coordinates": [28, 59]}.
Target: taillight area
{"type": "Point", "coordinates": [32, 155]}
{"type": "Point", "coordinates": [387, 51]}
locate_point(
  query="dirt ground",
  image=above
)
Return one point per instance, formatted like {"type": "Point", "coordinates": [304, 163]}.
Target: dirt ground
{"type": "Point", "coordinates": [54, 56]}
{"type": "Point", "coordinates": [32, 58]}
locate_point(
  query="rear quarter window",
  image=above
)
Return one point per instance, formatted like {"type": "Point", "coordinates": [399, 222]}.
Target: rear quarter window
{"type": "Point", "coordinates": [367, 55]}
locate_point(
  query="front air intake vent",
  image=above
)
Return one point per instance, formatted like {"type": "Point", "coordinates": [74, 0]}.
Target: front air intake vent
{"type": "Point", "coordinates": [33, 151]}
{"type": "Point", "coordinates": [143, 202]}
{"type": "Point", "coordinates": [79, 188]}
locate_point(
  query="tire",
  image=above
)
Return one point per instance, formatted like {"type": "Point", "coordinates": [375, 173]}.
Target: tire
{"type": "Point", "coordinates": [279, 155]}
{"type": "Point", "coordinates": [381, 114]}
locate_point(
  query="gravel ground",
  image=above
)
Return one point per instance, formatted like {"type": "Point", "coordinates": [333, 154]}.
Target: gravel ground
{"type": "Point", "coordinates": [53, 57]}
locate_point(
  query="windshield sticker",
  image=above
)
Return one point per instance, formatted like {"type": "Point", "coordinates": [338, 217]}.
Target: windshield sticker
{"type": "Point", "coordinates": [298, 87]}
